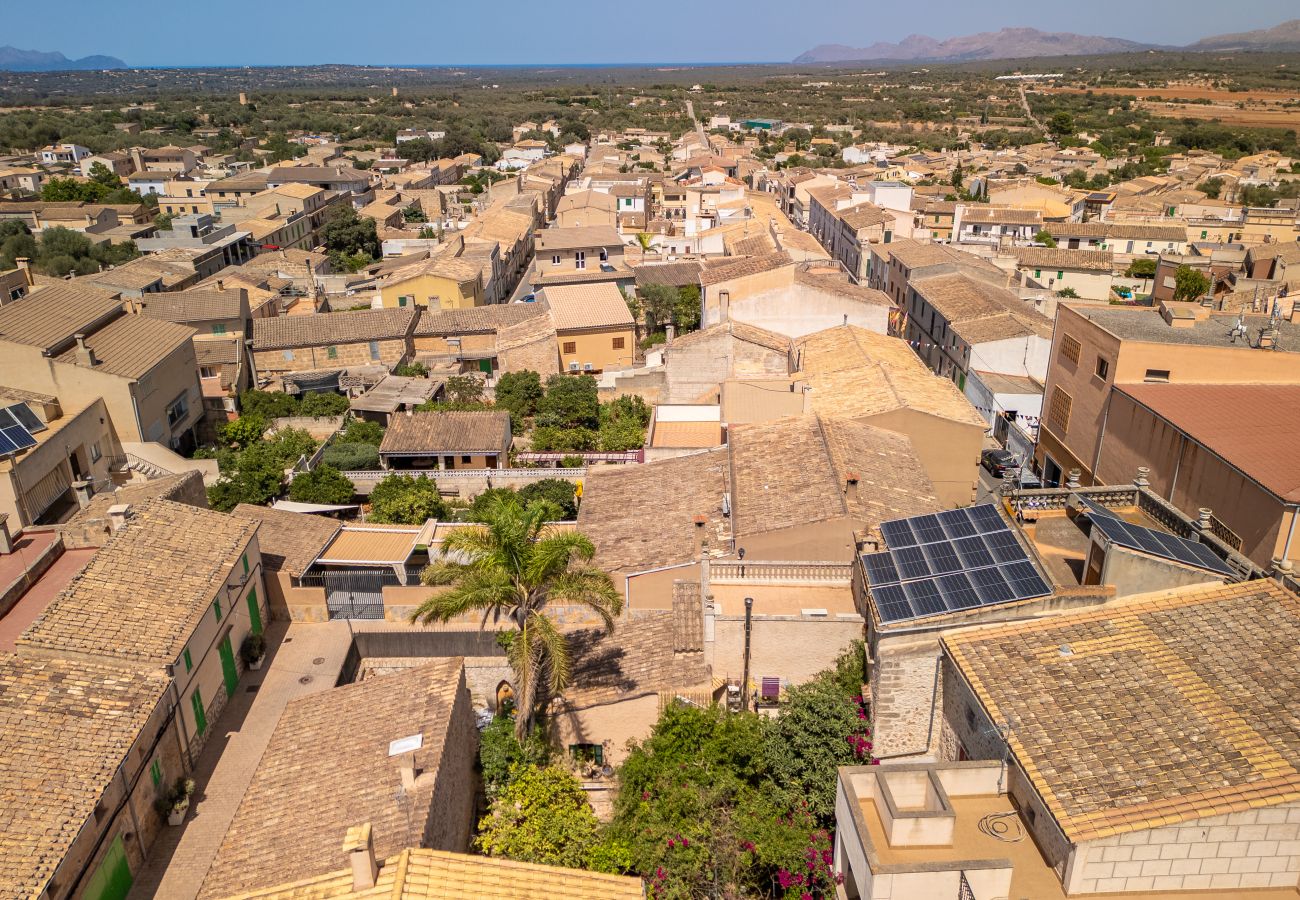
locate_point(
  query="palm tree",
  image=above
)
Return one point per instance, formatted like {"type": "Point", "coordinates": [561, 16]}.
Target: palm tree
{"type": "Point", "coordinates": [512, 567]}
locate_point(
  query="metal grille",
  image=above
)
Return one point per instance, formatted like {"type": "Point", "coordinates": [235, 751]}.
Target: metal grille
{"type": "Point", "coordinates": [353, 593]}
{"type": "Point", "coordinates": [965, 892]}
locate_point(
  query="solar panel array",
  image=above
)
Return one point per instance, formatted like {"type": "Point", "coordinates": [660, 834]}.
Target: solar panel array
{"type": "Point", "coordinates": [17, 423]}
{"type": "Point", "coordinates": [942, 562]}
{"type": "Point", "coordinates": [1149, 540]}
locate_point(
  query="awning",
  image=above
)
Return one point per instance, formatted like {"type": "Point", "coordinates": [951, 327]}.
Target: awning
{"type": "Point", "coordinates": [294, 506]}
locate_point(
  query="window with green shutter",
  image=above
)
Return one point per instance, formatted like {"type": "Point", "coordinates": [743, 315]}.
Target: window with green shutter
{"type": "Point", "coordinates": [189, 664]}
{"type": "Point", "coordinates": [332, 352]}
{"type": "Point", "coordinates": [216, 608]}
{"type": "Point", "coordinates": [1060, 275]}
{"type": "Point", "coordinates": [244, 560]}
{"type": "Point", "coordinates": [156, 772]}
{"type": "Point", "coordinates": [1038, 273]}
{"type": "Point", "coordinates": [218, 329]}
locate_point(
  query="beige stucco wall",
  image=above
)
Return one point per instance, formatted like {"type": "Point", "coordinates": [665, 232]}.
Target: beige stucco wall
{"type": "Point", "coordinates": [76, 432]}
{"type": "Point", "coordinates": [948, 451]}
{"type": "Point", "coordinates": [596, 347]}
{"type": "Point", "coordinates": [434, 291]}
{"type": "Point", "coordinates": [612, 725]}
{"type": "Point", "coordinates": [793, 648]}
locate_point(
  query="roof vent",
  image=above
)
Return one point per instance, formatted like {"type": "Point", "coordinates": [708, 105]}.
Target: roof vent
{"type": "Point", "coordinates": [85, 354]}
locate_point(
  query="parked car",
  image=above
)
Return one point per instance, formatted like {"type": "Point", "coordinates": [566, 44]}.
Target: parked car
{"type": "Point", "coordinates": [998, 461]}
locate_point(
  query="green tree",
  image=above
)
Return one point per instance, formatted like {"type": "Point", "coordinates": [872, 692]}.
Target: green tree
{"type": "Point", "coordinates": [1061, 124]}
{"type": "Point", "coordinates": [347, 235]}
{"type": "Point", "coordinates": [1068, 293]}
{"type": "Point", "coordinates": [514, 567]}
{"type": "Point", "coordinates": [289, 444]}
{"type": "Point", "coordinates": [323, 484]}
{"type": "Point", "coordinates": [559, 492]}
{"type": "Point", "coordinates": [362, 431]}
{"type": "Point", "coordinates": [623, 424]}
{"type": "Point", "coordinates": [562, 439]}
{"type": "Point", "coordinates": [465, 389]}
{"type": "Point", "coordinates": [407, 500]}
{"type": "Point", "coordinates": [1189, 284]}
{"type": "Point", "coordinates": [412, 369]}
{"type": "Point", "coordinates": [542, 816]}
{"type": "Point", "coordinates": [501, 755]}
{"type": "Point", "coordinates": [267, 404]}
{"type": "Point", "coordinates": [569, 402]}
{"type": "Point", "coordinates": [242, 432]}
{"type": "Point", "coordinates": [1211, 187]}
{"type": "Point", "coordinates": [256, 478]}
{"type": "Point", "coordinates": [519, 393]}
{"type": "Point", "coordinates": [1144, 267]}
{"type": "Point", "coordinates": [1045, 238]}
{"type": "Point", "coordinates": [323, 403]}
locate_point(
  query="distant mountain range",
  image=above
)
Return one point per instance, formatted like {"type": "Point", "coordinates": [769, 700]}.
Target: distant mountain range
{"type": "Point", "coordinates": [1021, 43]}
{"type": "Point", "coordinates": [14, 60]}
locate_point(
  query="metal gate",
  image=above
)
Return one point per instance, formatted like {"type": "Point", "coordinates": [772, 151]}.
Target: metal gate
{"type": "Point", "coordinates": [353, 593]}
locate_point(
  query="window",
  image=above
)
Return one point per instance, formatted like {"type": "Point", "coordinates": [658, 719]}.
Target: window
{"type": "Point", "coordinates": [374, 350]}
{"type": "Point", "coordinates": [1060, 275]}
{"type": "Point", "coordinates": [1203, 234]}
{"type": "Point", "coordinates": [1103, 368]}
{"type": "Point", "coordinates": [156, 772]}
{"type": "Point", "coordinates": [1038, 273]}
{"type": "Point", "coordinates": [604, 255]}
{"type": "Point", "coordinates": [216, 608]}
{"type": "Point", "coordinates": [618, 343]}
{"type": "Point", "coordinates": [332, 352]}
{"type": "Point", "coordinates": [588, 753]}
{"type": "Point", "coordinates": [466, 459]}
{"type": "Point", "coordinates": [1070, 348]}
{"type": "Point", "coordinates": [570, 347]}
{"type": "Point", "coordinates": [580, 259]}
{"type": "Point", "coordinates": [1058, 413]}
{"type": "Point", "coordinates": [207, 372]}
{"type": "Point", "coordinates": [288, 356]}
{"type": "Point", "coordinates": [244, 560]}
{"type": "Point", "coordinates": [218, 329]}
{"type": "Point", "coordinates": [555, 259]}
{"type": "Point", "coordinates": [401, 301]}
{"type": "Point", "coordinates": [179, 409]}
{"type": "Point", "coordinates": [189, 663]}
{"type": "Point", "coordinates": [96, 453]}
{"type": "Point", "coordinates": [1157, 375]}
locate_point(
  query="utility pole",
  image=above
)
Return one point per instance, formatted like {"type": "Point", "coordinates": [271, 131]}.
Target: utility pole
{"type": "Point", "coordinates": [744, 683]}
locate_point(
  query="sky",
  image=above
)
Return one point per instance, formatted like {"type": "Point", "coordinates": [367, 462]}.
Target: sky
{"type": "Point", "coordinates": [442, 32]}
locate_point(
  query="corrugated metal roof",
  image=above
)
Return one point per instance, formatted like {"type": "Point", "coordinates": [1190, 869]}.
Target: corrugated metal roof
{"type": "Point", "coordinates": [377, 546]}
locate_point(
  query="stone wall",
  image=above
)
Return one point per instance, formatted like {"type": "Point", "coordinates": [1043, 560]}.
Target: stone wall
{"type": "Point", "coordinates": [451, 811]}
{"type": "Point", "coordinates": [906, 693]}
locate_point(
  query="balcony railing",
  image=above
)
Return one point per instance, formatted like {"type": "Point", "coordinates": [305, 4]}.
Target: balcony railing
{"type": "Point", "coordinates": [737, 570]}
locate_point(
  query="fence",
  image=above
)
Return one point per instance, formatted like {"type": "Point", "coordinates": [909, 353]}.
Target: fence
{"type": "Point", "coordinates": [465, 482]}
{"type": "Point", "coordinates": [732, 570]}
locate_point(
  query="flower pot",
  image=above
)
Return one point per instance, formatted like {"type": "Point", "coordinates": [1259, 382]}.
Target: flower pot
{"type": "Point", "coordinates": [177, 815]}
{"type": "Point", "coordinates": [256, 664]}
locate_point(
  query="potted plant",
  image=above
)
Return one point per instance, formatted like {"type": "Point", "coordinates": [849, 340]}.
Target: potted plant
{"type": "Point", "coordinates": [253, 650]}
{"type": "Point", "coordinates": [176, 802]}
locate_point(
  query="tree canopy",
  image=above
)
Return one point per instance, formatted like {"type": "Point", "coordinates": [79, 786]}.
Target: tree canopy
{"type": "Point", "coordinates": [406, 500]}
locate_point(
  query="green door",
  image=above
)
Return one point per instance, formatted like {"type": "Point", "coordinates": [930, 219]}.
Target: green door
{"type": "Point", "coordinates": [254, 611]}
{"type": "Point", "coordinates": [228, 667]}
{"type": "Point", "coordinates": [485, 366]}
{"type": "Point", "coordinates": [200, 714]}
{"type": "Point", "coordinates": [112, 879]}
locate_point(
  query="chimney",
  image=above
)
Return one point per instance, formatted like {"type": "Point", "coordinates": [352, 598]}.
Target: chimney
{"type": "Point", "coordinates": [85, 355]}
{"type": "Point", "coordinates": [1203, 516]}
{"type": "Point", "coordinates": [359, 845]}
{"type": "Point", "coordinates": [137, 159]}
{"type": "Point", "coordinates": [670, 332]}
{"type": "Point", "coordinates": [221, 285]}
{"type": "Point", "coordinates": [117, 516]}
{"type": "Point", "coordinates": [25, 265]}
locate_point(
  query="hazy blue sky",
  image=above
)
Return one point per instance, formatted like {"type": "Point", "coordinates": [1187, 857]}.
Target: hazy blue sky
{"type": "Point", "coordinates": [432, 32]}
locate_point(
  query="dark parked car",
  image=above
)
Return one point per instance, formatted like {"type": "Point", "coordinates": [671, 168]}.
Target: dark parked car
{"type": "Point", "coordinates": [998, 461]}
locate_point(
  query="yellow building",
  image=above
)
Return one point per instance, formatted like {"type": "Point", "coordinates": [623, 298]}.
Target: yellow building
{"type": "Point", "coordinates": [437, 283]}
{"type": "Point", "coordinates": [593, 327]}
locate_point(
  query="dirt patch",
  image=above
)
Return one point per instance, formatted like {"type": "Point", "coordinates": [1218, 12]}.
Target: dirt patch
{"type": "Point", "coordinates": [1190, 92]}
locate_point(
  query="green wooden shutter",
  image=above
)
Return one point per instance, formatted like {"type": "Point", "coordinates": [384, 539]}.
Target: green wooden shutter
{"type": "Point", "coordinates": [254, 611]}
{"type": "Point", "coordinates": [112, 880]}
{"type": "Point", "coordinates": [200, 714]}
{"type": "Point", "coordinates": [228, 668]}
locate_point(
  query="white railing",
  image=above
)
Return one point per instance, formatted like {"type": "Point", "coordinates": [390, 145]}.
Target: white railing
{"type": "Point", "coordinates": [467, 474]}
{"type": "Point", "coordinates": [794, 571]}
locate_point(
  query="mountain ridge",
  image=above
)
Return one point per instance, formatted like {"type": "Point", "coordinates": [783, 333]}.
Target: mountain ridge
{"type": "Point", "coordinates": [1022, 43]}
{"type": "Point", "coordinates": [13, 59]}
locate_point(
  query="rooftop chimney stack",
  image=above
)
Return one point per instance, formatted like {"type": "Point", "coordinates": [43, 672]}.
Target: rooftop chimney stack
{"type": "Point", "coordinates": [85, 355]}
{"type": "Point", "coordinates": [117, 516]}
{"type": "Point", "coordinates": [670, 332]}
{"type": "Point", "coordinates": [359, 845]}
{"type": "Point", "coordinates": [25, 265]}
{"type": "Point", "coordinates": [221, 285]}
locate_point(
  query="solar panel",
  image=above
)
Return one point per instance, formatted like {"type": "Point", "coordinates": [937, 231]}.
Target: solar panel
{"type": "Point", "coordinates": [957, 559]}
{"type": "Point", "coordinates": [897, 533]}
{"type": "Point", "coordinates": [26, 418]}
{"type": "Point", "coordinates": [17, 437]}
{"type": "Point", "coordinates": [7, 446]}
{"type": "Point", "coordinates": [911, 563]}
{"type": "Point", "coordinates": [1158, 543]}
{"type": "Point", "coordinates": [956, 524]}
{"type": "Point", "coordinates": [880, 568]}
{"type": "Point", "coordinates": [1096, 509]}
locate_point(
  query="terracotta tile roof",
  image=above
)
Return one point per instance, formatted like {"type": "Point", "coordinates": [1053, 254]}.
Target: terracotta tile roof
{"type": "Point", "coordinates": [196, 305]}
{"type": "Point", "coordinates": [996, 215]}
{"type": "Point", "coordinates": [529, 345]}
{"type": "Point", "coordinates": [419, 874]}
{"type": "Point", "coordinates": [578, 306]}
{"type": "Point", "coordinates": [130, 346]}
{"type": "Point", "coordinates": [577, 237]}
{"type": "Point", "coordinates": [981, 312]}
{"type": "Point", "coordinates": [210, 352]}
{"type": "Point", "coordinates": [864, 215]}
{"type": "Point", "coordinates": [1253, 427]}
{"type": "Point", "coordinates": [66, 727]}
{"type": "Point", "coordinates": [615, 500]}
{"type": "Point", "coordinates": [1151, 711]}
{"type": "Point", "coordinates": [329, 756]}
{"type": "Point", "coordinates": [769, 494]}
{"type": "Point", "coordinates": [914, 254]}
{"type": "Point", "coordinates": [687, 434]}
{"type": "Point", "coordinates": [838, 283]}
{"type": "Point", "coordinates": [727, 268]}
{"type": "Point", "coordinates": [142, 595]}
{"type": "Point", "coordinates": [376, 544]}
{"type": "Point", "coordinates": [324, 329]}
{"type": "Point", "coordinates": [855, 373]}
{"type": "Point", "coordinates": [476, 319]}
{"type": "Point", "coordinates": [688, 616]}
{"type": "Point", "coordinates": [639, 658]}
{"type": "Point", "coordinates": [1060, 258]}
{"type": "Point", "coordinates": [449, 432]}
{"type": "Point", "coordinates": [49, 316]}
{"type": "Point", "coordinates": [291, 541]}
{"type": "Point", "coordinates": [750, 334]}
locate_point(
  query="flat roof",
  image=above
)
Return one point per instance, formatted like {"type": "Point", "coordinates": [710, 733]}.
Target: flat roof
{"type": "Point", "coordinates": [1146, 325]}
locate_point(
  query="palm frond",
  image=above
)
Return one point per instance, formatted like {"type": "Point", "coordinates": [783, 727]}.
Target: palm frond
{"type": "Point", "coordinates": [589, 587]}
{"type": "Point", "coordinates": [553, 647]}
{"type": "Point", "coordinates": [473, 592]}
{"type": "Point", "coordinates": [552, 553]}
{"type": "Point", "coordinates": [442, 571]}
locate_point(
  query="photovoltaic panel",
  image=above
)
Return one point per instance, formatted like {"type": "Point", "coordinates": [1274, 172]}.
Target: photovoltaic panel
{"type": "Point", "coordinates": [6, 445]}
{"type": "Point", "coordinates": [17, 437]}
{"type": "Point", "coordinates": [880, 568]}
{"type": "Point", "coordinates": [954, 560]}
{"type": "Point", "coordinates": [911, 563]}
{"type": "Point", "coordinates": [956, 523]}
{"type": "Point", "coordinates": [23, 414]}
{"type": "Point", "coordinates": [923, 594]}
{"type": "Point", "coordinates": [1157, 543]}
{"type": "Point", "coordinates": [897, 534]}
